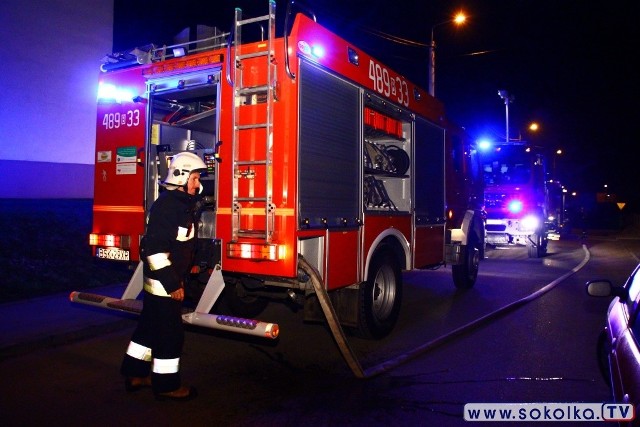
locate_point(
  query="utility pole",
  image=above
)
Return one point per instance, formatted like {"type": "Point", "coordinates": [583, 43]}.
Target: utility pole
{"type": "Point", "coordinates": [459, 19]}
{"type": "Point", "coordinates": [432, 65]}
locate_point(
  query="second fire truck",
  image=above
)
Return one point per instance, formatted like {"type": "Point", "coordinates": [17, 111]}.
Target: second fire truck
{"type": "Point", "coordinates": [326, 175]}
{"type": "Point", "coordinates": [516, 196]}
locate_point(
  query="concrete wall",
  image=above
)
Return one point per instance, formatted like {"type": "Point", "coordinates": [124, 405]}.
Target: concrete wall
{"type": "Point", "coordinates": [45, 180]}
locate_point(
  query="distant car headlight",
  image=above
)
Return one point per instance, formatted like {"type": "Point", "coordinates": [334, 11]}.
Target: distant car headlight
{"type": "Point", "coordinates": [530, 222]}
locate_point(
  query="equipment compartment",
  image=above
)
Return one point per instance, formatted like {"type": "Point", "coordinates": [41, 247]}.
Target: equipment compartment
{"type": "Point", "coordinates": [387, 162]}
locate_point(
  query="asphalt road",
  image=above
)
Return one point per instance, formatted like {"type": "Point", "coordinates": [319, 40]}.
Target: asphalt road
{"type": "Point", "coordinates": [450, 347]}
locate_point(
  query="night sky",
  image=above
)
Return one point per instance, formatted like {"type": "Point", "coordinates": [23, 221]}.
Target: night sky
{"type": "Point", "coordinates": [568, 63]}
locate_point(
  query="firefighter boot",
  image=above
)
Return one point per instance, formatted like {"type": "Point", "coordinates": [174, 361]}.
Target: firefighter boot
{"type": "Point", "coordinates": [181, 394]}
{"type": "Point", "coordinates": [137, 383]}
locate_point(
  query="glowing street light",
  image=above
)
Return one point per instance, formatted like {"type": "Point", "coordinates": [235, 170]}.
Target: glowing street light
{"type": "Point", "coordinates": [458, 19]}
{"type": "Point", "coordinates": [533, 128]}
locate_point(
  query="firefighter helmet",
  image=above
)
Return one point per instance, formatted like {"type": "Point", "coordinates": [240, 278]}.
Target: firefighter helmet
{"type": "Point", "coordinates": [181, 166]}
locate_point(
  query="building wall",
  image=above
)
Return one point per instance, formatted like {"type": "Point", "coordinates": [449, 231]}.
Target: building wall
{"type": "Point", "coordinates": [46, 180]}
{"type": "Point", "coordinates": [50, 52]}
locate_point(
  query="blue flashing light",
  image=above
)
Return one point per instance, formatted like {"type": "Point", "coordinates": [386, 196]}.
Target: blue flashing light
{"type": "Point", "coordinates": [484, 144]}
{"type": "Point", "coordinates": [515, 206]}
{"type": "Point", "coordinates": [353, 56]}
{"type": "Point", "coordinates": [109, 92]}
{"type": "Point", "coordinates": [317, 51]}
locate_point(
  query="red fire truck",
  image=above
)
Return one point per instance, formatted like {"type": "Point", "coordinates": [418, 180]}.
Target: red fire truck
{"type": "Point", "coordinates": [326, 175]}
{"type": "Point", "coordinates": [516, 196]}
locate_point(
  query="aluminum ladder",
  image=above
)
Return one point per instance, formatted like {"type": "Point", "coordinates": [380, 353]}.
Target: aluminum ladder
{"type": "Point", "coordinates": [254, 88]}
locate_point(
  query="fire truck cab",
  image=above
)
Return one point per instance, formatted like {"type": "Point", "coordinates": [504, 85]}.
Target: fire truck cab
{"type": "Point", "coordinates": [516, 196]}
{"type": "Point", "coordinates": [322, 162]}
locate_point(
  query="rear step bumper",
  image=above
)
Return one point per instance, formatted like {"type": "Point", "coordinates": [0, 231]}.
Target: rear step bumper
{"type": "Point", "coordinates": [212, 321]}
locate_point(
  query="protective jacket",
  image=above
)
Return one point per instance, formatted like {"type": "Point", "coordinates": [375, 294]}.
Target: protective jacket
{"type": "Point", "coordinates": [167, 248]}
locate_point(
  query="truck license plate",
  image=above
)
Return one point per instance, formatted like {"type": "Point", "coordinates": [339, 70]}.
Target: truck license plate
{"type": "Point", "coordinates": [112, 253]}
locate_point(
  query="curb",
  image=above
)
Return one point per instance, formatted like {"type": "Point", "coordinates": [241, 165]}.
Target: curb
{"type": "Point", "coordinates": [64, 338]}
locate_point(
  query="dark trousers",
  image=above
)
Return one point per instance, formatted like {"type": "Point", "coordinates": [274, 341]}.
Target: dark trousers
{"type": "Point", "coordinates": [160, 329]}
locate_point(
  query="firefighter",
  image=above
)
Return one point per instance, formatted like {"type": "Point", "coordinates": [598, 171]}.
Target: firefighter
{"type": "Point", "coordinates": [152, 358]}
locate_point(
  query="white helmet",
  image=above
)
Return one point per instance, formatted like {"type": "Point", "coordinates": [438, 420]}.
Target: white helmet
{"type": "Point", "coordinates": [181, 166]}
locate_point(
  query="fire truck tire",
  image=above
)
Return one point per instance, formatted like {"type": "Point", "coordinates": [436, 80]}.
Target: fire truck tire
{"type": "Point", "coordinates": [240, 304]}
{"type": "Point", "coordinates": [380, 297]}
{"type": "Point", "coordinates": [536, 246]}
{"type": "Point", "coordinates": [465, 274]}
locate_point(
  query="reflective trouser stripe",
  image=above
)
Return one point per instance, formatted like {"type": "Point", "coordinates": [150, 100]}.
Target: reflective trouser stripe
{"type": "Point", "coordinates": [139, 352]}
{"type": "Point", "coordinates": [166, 366]}
{"type": "Point", "coordinates": [155, 287]}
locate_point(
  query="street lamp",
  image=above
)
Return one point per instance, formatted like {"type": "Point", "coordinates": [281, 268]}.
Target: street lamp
{"type": "Point", "coordinates": [459, 19]}
{"type": "Point", "coordinates": [508, 99]}
{"type": "Point", "coordinates": [533, 128]}
{"type": "Point", "coordinates": [564, 206]}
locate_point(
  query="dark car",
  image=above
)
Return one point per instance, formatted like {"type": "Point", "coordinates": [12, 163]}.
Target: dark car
{"type": "Point", "coordinates": [618, 350]}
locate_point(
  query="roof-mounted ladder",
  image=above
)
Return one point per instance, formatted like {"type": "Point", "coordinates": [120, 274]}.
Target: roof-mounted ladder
{"type": "Point", "coordinates": [254, 88]}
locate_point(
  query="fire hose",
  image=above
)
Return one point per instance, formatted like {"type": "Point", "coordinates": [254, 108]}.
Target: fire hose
{"type": "Point", "coordinates": [385, 366]}
{"type": "Point", "coordinates": [332, 319]}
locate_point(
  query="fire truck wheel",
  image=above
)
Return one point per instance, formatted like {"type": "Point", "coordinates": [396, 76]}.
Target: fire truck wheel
{"type": "Point", "coordinates": [536, 246]}
{"type": "Point", "coordinates": [242, 305]}
{"type": "Point", "coordinates": [465, 274]}
{"type": "Point", "coordinates": [380, 297]}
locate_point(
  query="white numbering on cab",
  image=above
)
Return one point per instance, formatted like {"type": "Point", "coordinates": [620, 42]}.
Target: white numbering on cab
{"type": "Point", "coordinates": [392, 87]}
{"type": "Point", "coordinates": [130, 118]}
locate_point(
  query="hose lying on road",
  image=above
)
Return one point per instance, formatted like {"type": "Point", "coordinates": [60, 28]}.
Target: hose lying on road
{"type": "Point", "coordinates": [385, 366]}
